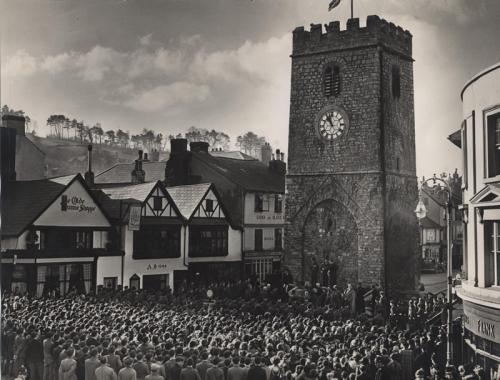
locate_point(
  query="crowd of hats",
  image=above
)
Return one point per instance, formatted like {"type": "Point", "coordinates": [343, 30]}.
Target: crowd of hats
{"type": "Point", "coordinates": [294, 338]}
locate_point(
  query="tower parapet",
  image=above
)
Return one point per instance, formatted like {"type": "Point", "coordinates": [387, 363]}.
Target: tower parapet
{"type": "Point", "coordinates": [376, 32]}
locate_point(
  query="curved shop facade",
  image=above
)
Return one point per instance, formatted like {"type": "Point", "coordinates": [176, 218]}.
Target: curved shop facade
{"type": "Point", "coordinates": [480, 290]}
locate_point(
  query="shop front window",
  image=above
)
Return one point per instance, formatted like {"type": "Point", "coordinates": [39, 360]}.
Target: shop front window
{"type": "Point", "coordinates": [260, 269]}
{"type": "Point", "coordinates": [60, 279]}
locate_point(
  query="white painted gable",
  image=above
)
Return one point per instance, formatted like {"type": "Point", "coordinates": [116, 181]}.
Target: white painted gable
{"type": "Point", "coordinates": [203, 210]}
{"type": "Point", "coordinates": [159, 197]}
{"type": "Point", "coordinates": [74, 208]}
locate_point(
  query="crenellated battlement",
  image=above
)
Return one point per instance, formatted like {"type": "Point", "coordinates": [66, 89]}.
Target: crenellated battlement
{"type": "Point", "coordinates": [376, 31]}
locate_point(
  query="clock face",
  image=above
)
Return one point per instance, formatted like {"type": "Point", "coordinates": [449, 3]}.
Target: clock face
{"type": "Point", "coordinates": [331, 125]}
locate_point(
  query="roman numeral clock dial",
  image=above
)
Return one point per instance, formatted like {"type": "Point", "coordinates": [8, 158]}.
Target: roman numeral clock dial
{"type": "Point", "coordinates": [331, 123]}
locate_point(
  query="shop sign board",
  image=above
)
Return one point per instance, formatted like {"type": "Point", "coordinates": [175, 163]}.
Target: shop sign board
{"type": "Point", "coordinates": [479, 322]}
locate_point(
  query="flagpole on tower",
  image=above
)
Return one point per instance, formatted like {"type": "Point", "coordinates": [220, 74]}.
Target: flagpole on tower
{"type": "Point", "coordinates": [334, 3]}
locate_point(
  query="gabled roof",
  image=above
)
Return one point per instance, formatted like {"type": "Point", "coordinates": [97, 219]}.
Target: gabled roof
{"type": "Point", "coordinates": [117, 198]}
{"type": "Point", "coordinates": [251, 175]}
{"type": "Point", "coordinates": [235, 154]}
{"type": "Point", "coordinates": [187, 198]}
{"type": "Point", "coordinates": [25, 201]}
{"type": "Point", "coordinates": [429, 223]}
{"type": "Point", "coordinates": [121, 173]}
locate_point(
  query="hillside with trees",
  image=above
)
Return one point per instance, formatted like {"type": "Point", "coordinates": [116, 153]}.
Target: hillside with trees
{"type": "Point", "coordinates": [67, 139]}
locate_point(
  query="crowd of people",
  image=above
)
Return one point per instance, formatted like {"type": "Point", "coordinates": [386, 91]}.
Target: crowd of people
{"type": "Point", "coordinates": [243, 332]}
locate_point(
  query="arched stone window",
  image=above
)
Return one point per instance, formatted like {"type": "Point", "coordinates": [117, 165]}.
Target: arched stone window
{"type": "Point", "coordinates": [331, 80]}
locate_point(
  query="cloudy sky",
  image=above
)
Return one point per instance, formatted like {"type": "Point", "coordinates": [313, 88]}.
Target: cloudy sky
{"type": "Point", "coordinates": [223, 64]}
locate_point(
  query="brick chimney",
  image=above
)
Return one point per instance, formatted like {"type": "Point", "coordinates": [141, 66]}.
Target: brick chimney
{"type": "Point", "coordinates": [199, 146]}
{"type": "Point", "coordinates": [16, 122]}
{"type": "Point", "coordinates": [176, 170]}
{"type": "Point", "coordinates": [89, 175]}
{"type": "Point", "coordinates": [155, 155]}
{"type": "Point", "coordinates": [266, 153]}
{"type": "Point", "coordinates": [7, 154]}
{"type": "Point", "coordinates": [277, 164]}
{"type": "Point", "coordinates": [138, 174]}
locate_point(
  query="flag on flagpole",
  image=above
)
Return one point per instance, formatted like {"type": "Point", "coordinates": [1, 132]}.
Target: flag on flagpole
{"type": "Point", "coordinates": [333, 4]}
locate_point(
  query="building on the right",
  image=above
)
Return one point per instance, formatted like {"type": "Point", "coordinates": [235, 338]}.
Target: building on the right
{"type": "Point", "coordinates": [480, 289]}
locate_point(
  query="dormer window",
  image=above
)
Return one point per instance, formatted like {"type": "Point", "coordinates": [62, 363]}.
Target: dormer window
{"type": "Point", "coordinates": [331, 80]}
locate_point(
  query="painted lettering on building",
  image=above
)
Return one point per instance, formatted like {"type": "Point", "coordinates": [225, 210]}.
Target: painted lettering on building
{"type": "Point", "coordinates": [269, 217]}
{"type": "Point", "coordinates": [156, 266]}
{"type": "Point", "coordinates": [482, 327]}
{"type": "Point", "coordinates": [75, 203]}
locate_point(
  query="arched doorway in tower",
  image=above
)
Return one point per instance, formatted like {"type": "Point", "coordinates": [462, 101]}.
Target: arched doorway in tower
{"type": "Point", "coordinates": [330, 245]}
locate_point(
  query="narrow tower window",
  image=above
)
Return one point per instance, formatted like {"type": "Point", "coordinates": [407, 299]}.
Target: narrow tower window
{"type": "Point", "coordinates": [331, 80]}
{"type": "Point", "coordinates": [396, 82]}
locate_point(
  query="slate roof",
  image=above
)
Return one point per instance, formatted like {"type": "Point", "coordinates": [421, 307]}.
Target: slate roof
{"type": "Point", "coordinates": [138, 192]}
{"type": "Point", "coordinates": [25, 200]}
{"type": "Point", "coordinates": [188, 197]}
{"type": "Point", "coordinates": [251, 175]}
{"type": "Point", "coordinates": [121, 173]}
{"type": "Point", "coordinates": [234, 154]}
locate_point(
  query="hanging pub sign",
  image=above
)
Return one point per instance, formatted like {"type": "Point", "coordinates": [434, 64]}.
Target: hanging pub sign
{"type": "Point", "coordinates": [134, 221]}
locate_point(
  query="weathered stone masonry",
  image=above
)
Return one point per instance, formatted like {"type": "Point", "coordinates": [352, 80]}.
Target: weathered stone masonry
{"type": "Point", "coordinates": [360, 189]}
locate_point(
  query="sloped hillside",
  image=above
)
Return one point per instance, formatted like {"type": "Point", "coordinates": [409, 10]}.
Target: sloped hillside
{"type": "Point", "coordinates": [67, 157]}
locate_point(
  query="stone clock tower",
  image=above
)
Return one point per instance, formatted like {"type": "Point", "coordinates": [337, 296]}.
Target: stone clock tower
{"type": "Point", "coordinates": [351, 183]}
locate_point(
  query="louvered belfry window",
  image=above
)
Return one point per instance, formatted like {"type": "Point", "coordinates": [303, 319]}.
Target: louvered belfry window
{"type": "Point", "coordinates": [331, 80]}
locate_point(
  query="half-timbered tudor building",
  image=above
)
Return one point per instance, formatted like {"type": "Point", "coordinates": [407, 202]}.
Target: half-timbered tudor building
{"type": "Point", "coordinates": [55, 236]}
{"type": "Point", "coordinates": [167, 235]}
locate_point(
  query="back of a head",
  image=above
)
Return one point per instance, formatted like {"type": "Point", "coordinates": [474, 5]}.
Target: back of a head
{"type": "Point", "coordinates": [103, 359]}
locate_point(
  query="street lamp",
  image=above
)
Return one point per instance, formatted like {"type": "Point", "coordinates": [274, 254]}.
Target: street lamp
{"type": "Point", "coordinates": [438, 185]}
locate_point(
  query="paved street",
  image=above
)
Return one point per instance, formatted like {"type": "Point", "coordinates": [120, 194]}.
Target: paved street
{"type": "Point", "coordinates": [433, 282]}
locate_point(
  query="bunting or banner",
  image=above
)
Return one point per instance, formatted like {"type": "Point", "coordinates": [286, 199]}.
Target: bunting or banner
{"type": "Point", "coordinates": [333, 4]}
